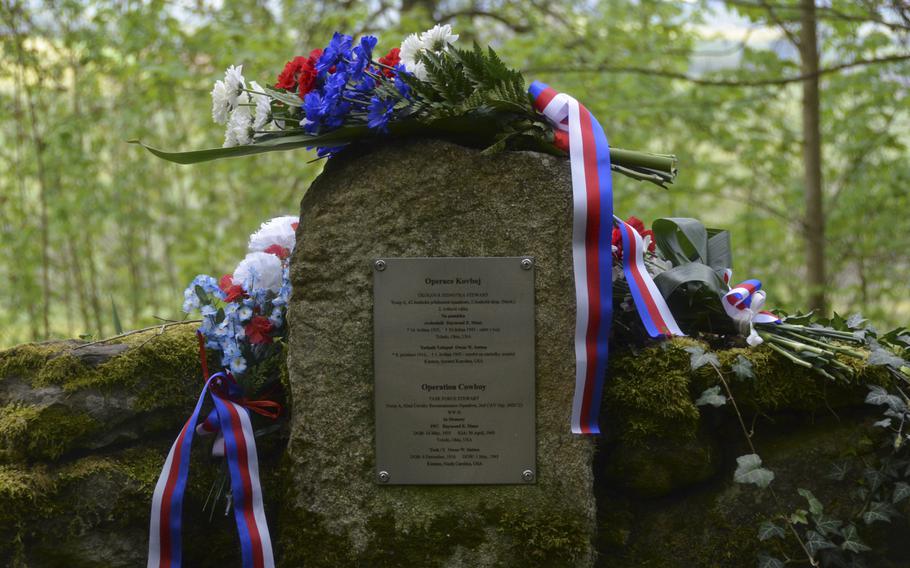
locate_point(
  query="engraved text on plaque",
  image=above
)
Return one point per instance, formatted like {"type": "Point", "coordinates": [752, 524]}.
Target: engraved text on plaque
{"type": "Point", "coordinates": [454, 370]}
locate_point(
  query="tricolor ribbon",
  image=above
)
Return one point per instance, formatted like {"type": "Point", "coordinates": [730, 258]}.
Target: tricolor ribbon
{"type": "Point", "coordinates": [744, 304]}
{"type": "Point", "coordinates": [231, 420]}
{"type": "Point", "coordinates": [578, 132]}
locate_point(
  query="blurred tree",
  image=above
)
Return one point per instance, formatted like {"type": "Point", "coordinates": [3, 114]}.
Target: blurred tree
{"type": "Point", "coordinates": [87, 222]}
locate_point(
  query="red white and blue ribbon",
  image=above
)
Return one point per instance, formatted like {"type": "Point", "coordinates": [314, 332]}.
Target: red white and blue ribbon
{"type": "Point", "coordinates": [578, 132]}
{"type": "Point", "coordinates": [232, 420]}
{"type": "Point", "coordinates": [649, 302]}
{"type": "Point", "coordinates": [744, 304]}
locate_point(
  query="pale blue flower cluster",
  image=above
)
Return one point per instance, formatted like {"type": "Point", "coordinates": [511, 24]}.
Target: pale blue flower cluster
{"type": "Point", "coordinates": [223, 323]}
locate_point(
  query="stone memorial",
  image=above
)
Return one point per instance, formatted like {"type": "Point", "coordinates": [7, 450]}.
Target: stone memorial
{"type": "Point", "coordinates": [431, 199]}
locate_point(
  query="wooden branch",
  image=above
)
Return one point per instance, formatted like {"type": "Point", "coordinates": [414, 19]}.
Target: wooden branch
{"type": "Point", "coordinates": [663, 73]}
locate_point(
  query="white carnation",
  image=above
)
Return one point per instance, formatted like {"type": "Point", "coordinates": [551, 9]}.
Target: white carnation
{"type": "Point", "coordinates": [410, 49]}
{"type": "Point", "coordinates": [259, 271]}
{"type": "Point", "coordinates": [263, 107]}
{"type": "Point", "coordinates": [221, 107]}
{"type": "Point", "coordinates": [419, 70]}
{"type": "Point", "coordinates": [438, 38]}
{"type": "Point", "coordinates": [240, 125]}
{"type": "Point", "coordinates": [278, 231]}
{"type": "Point", "coordinates": [234, 83]}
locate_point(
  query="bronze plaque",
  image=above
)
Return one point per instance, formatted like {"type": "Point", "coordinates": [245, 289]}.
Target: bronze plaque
{"type": "Point", "coordinates": [453, 349]}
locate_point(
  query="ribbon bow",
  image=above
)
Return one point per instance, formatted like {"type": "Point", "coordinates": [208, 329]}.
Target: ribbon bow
{"type": "Point", "coordinates": [578, 131]}
{"type": "Point", "coordinates": [231, 419]}
{"type": "Point", "coordinates": [744, 304]}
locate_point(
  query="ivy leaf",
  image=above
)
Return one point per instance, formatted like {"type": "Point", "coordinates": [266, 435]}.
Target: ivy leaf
{"type": "Point", "coordinates": [698, 358]}
{"type": "Point", "coordinates": [881, 356]}
{"type": "Point", "coordinates": [878, 511]}
{"type": "Point", "coordinates": [711, 397]}
{"type": "Point", "coordinates": [828, 526]}
{"type": "Point", "coordinates": [742, 368]}
{"type": "Point", "coordinates": [852, 542]}
{"type": "Point", "coordinates": [816, 542]}
{"type": "Point", "coordinates": [901, 492]}
{"type": "Point", "coordinates": [749, 470]}
{"type": "Point", "coordinates": [769, 530]}
{"type": "Point", "coordinates": [856, 321]}
{"type": "Point", "coordinates": [838, 471]}
{"type": "Point", "coordinates": [765, 561]}
{"type": "Point", "coordinates": [879, 396]}
{"type": "Point", "coordinates": [815, 506]}
{"type": "Point", "coordinates": [800, 517]}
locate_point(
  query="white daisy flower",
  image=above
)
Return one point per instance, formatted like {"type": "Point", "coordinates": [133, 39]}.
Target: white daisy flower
{"type": "Point", "coordinates": [221, 107]}
{"type": "Point", "coordinates": [419, 70]}
{"type": "Point", "coordinates": [410, 48]}
{"type": "Point", "coordinates": [278, 231]}
{"type": "Point", "coordinates": [438, 38]}
{"type": "Point", "coordinates": [234, 83]}
{"type": "Point", "coordinates": [263, 107]}
{"type": "Point", "coordinates": [240, 125]}
{"type": "Point", "coordinates": [259, 271]}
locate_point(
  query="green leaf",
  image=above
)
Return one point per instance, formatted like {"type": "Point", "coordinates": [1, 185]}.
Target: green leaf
{"type": "Point", "coordinates": [878, 511]}
{"type": "Point", "coordinates": [765, 561]}
{"type": "Point", "coordinates": [901, 492]}
{"type": "Point", "coordinates": [200, 293]}
{"type": "Point", "coordinates": [742, 368]}
{"type": "Point", "coordinates": [698, 358]}
{"type": "Point", "coordinates": [769, 530]}
{"type": "Point", "coordinates": [879, 396]}
{"type": "Point", "coordinates": [749, 470]}
{"type": "Point", "coordinates": [815, 542]}
{"type": "Point", "coordinates": [711, 397]}
{"type": "Point", "coordinates": [689, 275]}
{"type": "Point", "coordinates": [289, 99]}
{"type": "Point", "coordinates": [800, 517]}
{"type": "Point", "coordinates": [838, 471]}
{"type": "Point", "coordinates": [815, 506]}
{"type": "Point", "coordinates": [852, 542]}
{"type": "Point", "coordinates": [827, 526]}
{"type": "Point", "coordinates": [681, 240]}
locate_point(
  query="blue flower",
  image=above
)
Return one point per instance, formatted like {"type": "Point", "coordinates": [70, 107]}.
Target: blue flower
{"type": "Point", "coordinates": [379, 114]}
{"type": "Point", "coordinates": [338, 50]}
{"type": "Point", "coordinates": [402, 87]}
{"type": "Point", "coordinates": [362, 54]}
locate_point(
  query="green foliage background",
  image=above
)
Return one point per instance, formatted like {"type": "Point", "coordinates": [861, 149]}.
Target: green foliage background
{"type": "Point", "coordinates": [110, 225]}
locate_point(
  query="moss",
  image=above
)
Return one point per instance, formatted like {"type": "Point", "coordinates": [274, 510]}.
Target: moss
{"type": "Point", "coordinates": [551, 540]}
{"type": "Point", "coordinates": [31, 432]}
{"type": "Point", "coordinates": [650, 391]}
{"type": "Point", "coordinates": [24, 499]}
{"type": "Point", "coordinates": [26, 360]}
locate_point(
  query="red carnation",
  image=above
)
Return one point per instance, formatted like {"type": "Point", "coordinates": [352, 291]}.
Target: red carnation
{"type": "Point", "coordinates": [392, 58]}
{"type": "Point", "coordinates": [287, 79]}
{"type": "Point", "coordinates": [639, 227]}
{"type": "Point", "coordinates": [258, 330]}
{"type": "Point", "coordinates": [278, 251]}
{"type": "Point", "coordinates": [300, 73]}
{"type": "Point", "coordinates": [232, 292]}
{"type": "Point", "coordinates": [307, 79]}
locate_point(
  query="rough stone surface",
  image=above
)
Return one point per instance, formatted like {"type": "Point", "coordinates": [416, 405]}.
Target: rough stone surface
{"type": "Point", "coordinates": [429, 198]}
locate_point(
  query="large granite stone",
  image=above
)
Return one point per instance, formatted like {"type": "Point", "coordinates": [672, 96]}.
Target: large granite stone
{"type": "Point", "coordinates": [427, 198]}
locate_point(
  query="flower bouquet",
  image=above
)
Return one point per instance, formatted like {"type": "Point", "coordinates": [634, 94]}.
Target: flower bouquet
{"type": "Point", "coordinates": [343, 94]}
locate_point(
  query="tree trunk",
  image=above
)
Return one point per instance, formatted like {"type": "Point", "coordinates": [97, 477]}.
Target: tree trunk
{"type": "Point", "coordinates": [814, 223]}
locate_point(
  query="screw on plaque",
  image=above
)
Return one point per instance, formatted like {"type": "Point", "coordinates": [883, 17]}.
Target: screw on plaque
{"type": "Point", "coordinates": [384, 477]}
{"type": "Point", "coordinates": [527, 263]}
{"type": "Point", "coordinates": [379, 265]}
{"type": "Point", "coordinates": [527, 475]}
